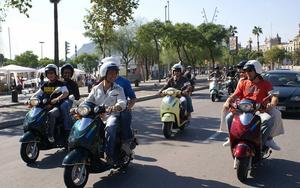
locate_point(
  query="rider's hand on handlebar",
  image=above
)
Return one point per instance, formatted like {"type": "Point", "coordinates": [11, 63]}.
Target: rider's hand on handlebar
{"type": "Point", "coordinates": [54, 101]}
{"type": "Point", "coordinates": [270, 105]}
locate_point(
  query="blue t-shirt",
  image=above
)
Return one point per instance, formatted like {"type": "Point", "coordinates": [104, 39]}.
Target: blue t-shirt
{"type": "Point", "coordinates": [125, 84]}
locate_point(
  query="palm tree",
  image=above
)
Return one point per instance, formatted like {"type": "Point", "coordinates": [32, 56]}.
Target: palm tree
{"type": "Point", "coordinates": [232, 30]}
{"type": "Point", "coordinates": [257, 31]}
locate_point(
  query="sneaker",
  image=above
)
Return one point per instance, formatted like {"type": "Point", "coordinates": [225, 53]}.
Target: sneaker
{"type": "Point", "coordinates": [272, 144]}
{"type": "Point", "coordinates": [227, 143]}
{"type": "Point", "coordinates": [51, 139]}
{"type": "Point", "coordinates": [126, 148]}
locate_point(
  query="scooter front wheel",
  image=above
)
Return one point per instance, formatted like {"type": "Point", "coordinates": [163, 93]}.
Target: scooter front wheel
{"type": "Point", "coordinates": [29, 152]}
{"type": "Point", "coordinates": [242, 168]}
{"type": "Point", "coordinates": [167, 129]}
{"type": "Point", "coordinates": [214, 97]}
{"type": "Point", "coordinates": [76, 175]}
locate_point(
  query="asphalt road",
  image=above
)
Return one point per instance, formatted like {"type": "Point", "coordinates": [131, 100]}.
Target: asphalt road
{"type": "Point", "coordinates": [193, 158]}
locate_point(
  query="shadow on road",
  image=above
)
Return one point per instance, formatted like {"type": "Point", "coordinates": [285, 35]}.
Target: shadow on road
{"type": "Point", "coordinates": [13, 131]}
{"type": "Point", "coordinates": [147, 121]}
{"type": "Point", "coordinates": [276, 173]}
{"type": "Point", "coordinates": [145, 176]}
{"type": "Point", "coordinates": [294, 116]}
{"type": "Point", "coordinates": [50, 160]}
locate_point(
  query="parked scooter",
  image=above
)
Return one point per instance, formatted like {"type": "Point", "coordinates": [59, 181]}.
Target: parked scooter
{"type": "Point", "coordinates": [86, 147]}
{"type": "Point", "coordinates": [245, 137]}
{"type": "Point", "coordinates": [171, 114]}
{"type": "Point", "coordinates": [217, 89]}
{"type": "Point", "coordinates": [35, 137]}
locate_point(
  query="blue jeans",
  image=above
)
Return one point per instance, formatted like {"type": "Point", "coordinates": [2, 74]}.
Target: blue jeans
{"type": "Point", "coordinates": [111, 128]}
{"type": "Point", "coordinates": [65, 112]}
{"type": "Point", "coordinates": [189, 104]}
{"type": "Point", "coordinates": [126, 117]}
{"type": "Point", "coordinates": [266, 127]}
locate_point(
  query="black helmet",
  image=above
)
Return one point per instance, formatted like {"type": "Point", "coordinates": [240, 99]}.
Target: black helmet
{"type": "Point", "coordinates": [51, 67]}
{"type": "Point", "coordinates": [217, 67]}
{"type": "Point", "coordinates": [241, 64]}
{"type": "Point", "coordinates": [67, 66]}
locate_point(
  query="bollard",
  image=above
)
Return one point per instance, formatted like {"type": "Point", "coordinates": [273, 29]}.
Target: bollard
{"type": "Point", "coordinates": [14, 95]}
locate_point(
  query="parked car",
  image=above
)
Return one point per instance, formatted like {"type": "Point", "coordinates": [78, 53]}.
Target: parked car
{"type": "Point", "coordinates": [287, 82]}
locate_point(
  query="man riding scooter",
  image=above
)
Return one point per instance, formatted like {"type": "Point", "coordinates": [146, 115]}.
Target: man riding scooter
{"type": "Point", "coordinates": [256, 88]}
{"type": "Point", "coordinates": [178, 81]}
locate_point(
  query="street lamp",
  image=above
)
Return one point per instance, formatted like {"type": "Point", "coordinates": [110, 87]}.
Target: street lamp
{"type": "Point", "coordinates": [166, 13]}
{"type": "Point", "coordinates": [56, 54]}
{"type": "Point", "coordinates": [41, 42]}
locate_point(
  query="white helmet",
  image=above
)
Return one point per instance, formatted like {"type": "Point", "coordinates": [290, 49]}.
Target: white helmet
{"type": "Point", "coordinates": [253, 65]}
{"type": "Point", "coordinates": [177, 66]}
{"type": "Point", "coordinates": [109, 63]}
{"type": "Point", "coordinates": [51, 67]}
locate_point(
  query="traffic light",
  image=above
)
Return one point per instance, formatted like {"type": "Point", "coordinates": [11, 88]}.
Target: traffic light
{"type": "Point", "coordinates": [67, 49]}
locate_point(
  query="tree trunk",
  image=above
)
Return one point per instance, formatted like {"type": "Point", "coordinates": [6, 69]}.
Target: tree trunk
{"type": "Point", "coordinates": [257, 43]}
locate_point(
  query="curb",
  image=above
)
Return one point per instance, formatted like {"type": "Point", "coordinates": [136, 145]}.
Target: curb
{"type": "Point", "coordinates": [18, 121]}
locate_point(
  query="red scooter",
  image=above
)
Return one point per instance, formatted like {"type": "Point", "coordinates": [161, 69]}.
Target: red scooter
{"type": "Point", "coordinates": [245, 136]}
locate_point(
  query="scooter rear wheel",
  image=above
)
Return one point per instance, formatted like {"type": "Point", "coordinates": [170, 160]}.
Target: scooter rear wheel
{"type": "Point", "coordinates": [242, 168]}
{"type": "Point", "coordinates": [29, 152]}
{"type": "Point", "coordinates": [76, 175]}
{"type": "Point", "coordinates": [167, 129]}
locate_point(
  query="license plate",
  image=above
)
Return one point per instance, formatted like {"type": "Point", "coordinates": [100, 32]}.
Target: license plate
{"type": "Point", "coordinates": [281, 108]}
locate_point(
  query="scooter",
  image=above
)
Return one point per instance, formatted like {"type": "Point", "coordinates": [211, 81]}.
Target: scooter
{"type": "Point", "coordinates": [245, 137]}
{"type": "Point", "coordinates": [230, 84]}
{"type": "Point", "coordinates": [86, 147]}
{"type": "Point", "coordinates": [35, 137]}
{"type": "Point", "coordinates": [217, 89]}
{"type": "Point", "coordinates": [171, 114]}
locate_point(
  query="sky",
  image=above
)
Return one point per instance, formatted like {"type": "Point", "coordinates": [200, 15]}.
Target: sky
{"type": "Point", "coordinates": [273, 16]}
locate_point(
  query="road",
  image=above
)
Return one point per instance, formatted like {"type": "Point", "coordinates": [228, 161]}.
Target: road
{"type": "Point", "coordinates": [194, 158]}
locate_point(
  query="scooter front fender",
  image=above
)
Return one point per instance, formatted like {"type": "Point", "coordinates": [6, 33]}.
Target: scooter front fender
{"type": "Point", "coordinates": [76, 156]}
{"type": "Point", "coordinates": [213, 91]}
{"type": "Point", "coordinates": [28, 137]}
{"type": "Point", "coordinates": [168, 117]}
{"type": "Point", "coordinates": [241, 150]}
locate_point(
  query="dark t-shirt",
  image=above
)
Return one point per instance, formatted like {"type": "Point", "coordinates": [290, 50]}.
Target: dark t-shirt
{"type": "Point", "coordinates": [182, 84]}
{"type": "Point", "coordinates": [49, 87]}
{"type": "Point", "coordinates": [73, 89]}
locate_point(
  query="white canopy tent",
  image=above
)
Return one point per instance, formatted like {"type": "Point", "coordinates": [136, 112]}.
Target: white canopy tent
{"type": "Point", "coordinates": [9, 71]}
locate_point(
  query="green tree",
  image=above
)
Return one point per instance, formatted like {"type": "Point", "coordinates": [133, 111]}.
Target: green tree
{"type": "Point", "coordinates": [22, 5]}
{"type": "Point", "coordinates": [27, 59]}
{"type": "Point", "coordinates": [296, 57]}
{"type": "Point", "coordinates": [153, 33]}
{"type": "Point", "coordinates": [45, 61]}
{"type": "Point", "coordinates": [89, 62]}
{"type": "Point", "coordinates": [212, 37]}
{"type": "Point", "coordinates": [126, 43]}
{"type": "Point", "coordinates": [103, 17]}
{"type": "Point", "coordinates": [232, 30]}
{"type": "Point", "coordinates": [257, 31]}
{"type": "Point", "coordinates": [273, 55]}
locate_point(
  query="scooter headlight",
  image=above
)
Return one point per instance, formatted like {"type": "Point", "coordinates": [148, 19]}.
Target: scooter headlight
{"type": "Point", "coordinates": [34, 102]}
{"type": "Point", "coordinates": [246, 107]}
{"type": "Point", "coordinates": [83, 110]}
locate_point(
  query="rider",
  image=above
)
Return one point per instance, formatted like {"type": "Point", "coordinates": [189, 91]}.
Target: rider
{"type": "Point", "coordinates": [256, 88]}
{"type": "Point", "coordinates": [188, 75]}
{"type": "Point", "coordinates": [217, 73]}
{"type": "Point", "coordinates": [180, 82]}
{"type": "Point", "coordinates": [115, 104]}
{"type": "Point", "coordinates": [126, 115]}
{"type": "Point", "coordinates": [51, 72]}
{"type": "Point", "coordinates": [67, 72]}
{"type": "Point", "coordinates": [240, 75]}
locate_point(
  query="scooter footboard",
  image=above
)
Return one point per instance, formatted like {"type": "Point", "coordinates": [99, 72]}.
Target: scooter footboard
{"type": "Point", "coordinates": [76, 156]}
{"type": "Point", "coordinates": [241, 150]}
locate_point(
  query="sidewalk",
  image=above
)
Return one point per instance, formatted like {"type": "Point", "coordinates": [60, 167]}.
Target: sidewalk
{"type": "Point", "coordinates": [12, 114]}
